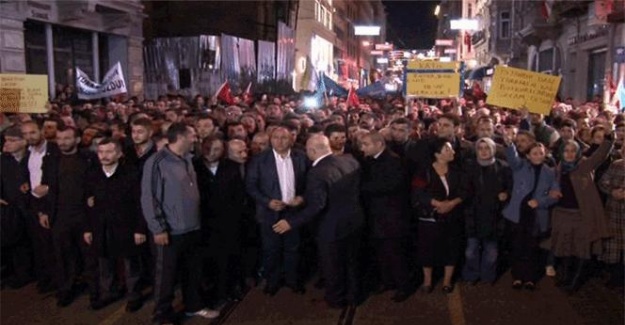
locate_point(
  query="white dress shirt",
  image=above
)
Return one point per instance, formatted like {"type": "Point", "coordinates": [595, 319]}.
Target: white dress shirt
{"type": "Point", "coordinates": [35, 162]}
{"type": "Point", "coordinates": [286, 176]}
{"type": "Point", "coordinates": [111, 171]}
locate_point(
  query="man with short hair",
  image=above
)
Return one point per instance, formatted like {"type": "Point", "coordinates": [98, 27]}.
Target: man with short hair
{"type": "Point", "coordinates": [41, 156]}
{"type": "Point", "coordinates": [141, 132]}
{"type": "Point", "coordinates": [400, 136]}
{"type": "Point", "coordinates": [16, 246]}
{"type": "Point", "coordinates": [337, 135]}
{"type": "Point", "coordinates": [260, 142]}
{"type": "Point", "coordinates": [275, 179]}
{"type": "Point", "coordinates": [65, 214]}
{"type": "Point", "coordinates": [206, 126]}
{"type": "Point", "coordinates": [384, 192]}
{"type": "Point", "coordinates": [236, 130]}
{"type": "Point", "coordinates": [568, 131]}
{"type": "Point", "coordinates": [115, 228]}
{"type": "Point", "coordinates": [170, 201]}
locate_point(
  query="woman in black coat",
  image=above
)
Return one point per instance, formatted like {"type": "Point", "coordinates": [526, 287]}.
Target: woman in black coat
{"type": "Point", "coordinates": [222, 204]}
{"type": "Point", "coordinates": [437, 195]}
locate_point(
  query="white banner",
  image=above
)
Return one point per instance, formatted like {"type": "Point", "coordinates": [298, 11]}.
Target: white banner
{"type": "Point", "coordinates": [112, 84]}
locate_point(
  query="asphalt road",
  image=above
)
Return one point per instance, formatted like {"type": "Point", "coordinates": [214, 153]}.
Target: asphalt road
{"type": "Point", "coordinates": [472, 305]}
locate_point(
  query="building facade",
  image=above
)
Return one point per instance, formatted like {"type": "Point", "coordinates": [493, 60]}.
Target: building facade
{"type": "Point", "coordinates": [55, 37]}
{"type": "Point", "coordinates": [325, 34]}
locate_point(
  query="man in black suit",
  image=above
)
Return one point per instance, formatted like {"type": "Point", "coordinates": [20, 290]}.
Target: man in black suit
{"type": "Point", "coordinates": [16, 246]}
{"type": "Point", "coordinates": [275, 179]}
{"type": "Point", "coordinates": [40, 159]}
{"type": "Point", "coordinates": [333, 203]}
{"type": "Point", "coordinates": [65, 214]}
{"type": "Point", "coordinates": [115, 228]}
{"type": "Point", "coordinates": [384, 194]}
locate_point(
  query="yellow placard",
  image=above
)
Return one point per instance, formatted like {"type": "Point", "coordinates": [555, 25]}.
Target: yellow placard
{"type": "Point", "coordinates": [518, 88]}
{"type": "Point", "coordinates": [433, 65]}
{"type": "Point", "coordinates": [433, 79]}
{"type": "Point", "coordinates": [23, 93]}
{"type": "Point", "coordinates": [432, 85]}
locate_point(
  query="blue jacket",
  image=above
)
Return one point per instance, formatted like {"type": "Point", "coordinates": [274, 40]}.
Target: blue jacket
{"type": "Point", "coordinates": [523, 183]}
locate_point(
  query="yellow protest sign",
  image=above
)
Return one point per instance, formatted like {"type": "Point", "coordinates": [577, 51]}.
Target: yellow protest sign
{"type": "Point", "coordinates": [432, 79]}
{"type": "Point", "coordinates": [516, 88]}
{"type": "Point", "coordinates": [23, 93]}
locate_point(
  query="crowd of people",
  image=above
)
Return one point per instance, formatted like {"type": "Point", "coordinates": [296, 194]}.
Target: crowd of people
{"type": "Point", "coordinates": [118, 197]}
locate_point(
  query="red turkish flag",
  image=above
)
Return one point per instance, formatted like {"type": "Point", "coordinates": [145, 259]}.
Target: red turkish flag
{"type": "Point", "coordinates": [224, 94]}
{"type": "Point", "coordinates": [352, 98]}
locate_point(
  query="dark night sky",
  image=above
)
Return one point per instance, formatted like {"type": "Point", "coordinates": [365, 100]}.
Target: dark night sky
{"type": "Point", "coordinates": [411, 22]}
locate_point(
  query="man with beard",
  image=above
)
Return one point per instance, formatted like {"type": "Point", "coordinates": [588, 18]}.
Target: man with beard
{"type": "Point", "coordinates": [141, 132]}
{"type": "Point", "coordinates": [337, 134]}
{"type": "Point", "coordinates": [115, 228]}
{"type": "Point", "coordinates": [222, 207]}
{"type": "Point", "coordinates": [170, 201]}
{"type": "Point", "coordinates": [41, 156]}
{"type": "Point", "coordinates": [384, 192]}
{"type": "Point", "coordinates": [260, 142]}
{"type": "Point", "coordinates": [400, 135]}
{"type": "Point", "coordinates": [65, 213]}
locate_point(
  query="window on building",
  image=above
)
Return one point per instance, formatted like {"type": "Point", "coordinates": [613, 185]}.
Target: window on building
{"type": "Point", "coordinates": [504, 25]}
{"type": "Point", "coordinates": [596, 74]}
{"type": "Point", "coordinates": [545, 61]}
{"type": "Point", "coordinates": [36, 54]}
{"type": "Point", "coordinates": [469, 11]}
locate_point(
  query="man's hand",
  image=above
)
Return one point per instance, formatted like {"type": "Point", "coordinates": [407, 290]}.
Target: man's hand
{"type": "Point", "coordinates": [91, 202]}
{"type": "Point", "coordinates": [88, 237]}
{"type": "Point", "coordinates": [276, 205]}
{"type": "Point", "coordinates": [44, 220]}
{"type": "Point", "coordinates": [297, 201]}
{"type": "Point", "coordinates": [554, 194]}
{"type": "Point", "coordinates": [3, 202]}
{"type": "Point", "coordinates": [445, 207]}
{"type": "Point", "coordinates": [41, 190]}
{"type": "Point", "coordinates": [281, 227]}
{"type": "Point", "coordinates": [502, 196]}
{"type": "Point", "coordinates": [161, 239]}
{"type": "Point", "coordinates": [139, 239]}
{"type": "Point", "coordinates": [533, 204]}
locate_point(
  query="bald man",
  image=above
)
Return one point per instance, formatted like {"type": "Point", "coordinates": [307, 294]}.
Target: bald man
{"type": "Point", "coordinates": [332, 201]}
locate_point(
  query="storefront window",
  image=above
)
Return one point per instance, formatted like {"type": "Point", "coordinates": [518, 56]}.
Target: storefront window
{"type": "Point", "coordinates": [35, 40]}
{"type": "Point", "coordinates": [596, 74]}
{"type": "Point", "coordinates": [72, 48]}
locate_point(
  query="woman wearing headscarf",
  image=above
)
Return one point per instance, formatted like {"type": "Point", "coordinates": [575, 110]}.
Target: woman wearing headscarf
{"type": "Point", "coordinates": [527, 213]}
{"type": "Point", "coordinates": [438, 192]}
{"type": "Point", "coordinates": [489, 182]}
{"type": "Point", "coordinates": [578, 219]}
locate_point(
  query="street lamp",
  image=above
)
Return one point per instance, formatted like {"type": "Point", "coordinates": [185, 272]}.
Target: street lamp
{"type": "Point", "coordinates": [437, 10]}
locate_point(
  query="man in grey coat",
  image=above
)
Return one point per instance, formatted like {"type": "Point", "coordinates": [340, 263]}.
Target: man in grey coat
{"type": "Point", "coordinates": [170, 201]}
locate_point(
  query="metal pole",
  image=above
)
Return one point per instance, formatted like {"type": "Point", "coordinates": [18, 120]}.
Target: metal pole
{"type": "Point", "coordinates": [50, 58]}
{"type": "Point", "coordinates": [95, 48]}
